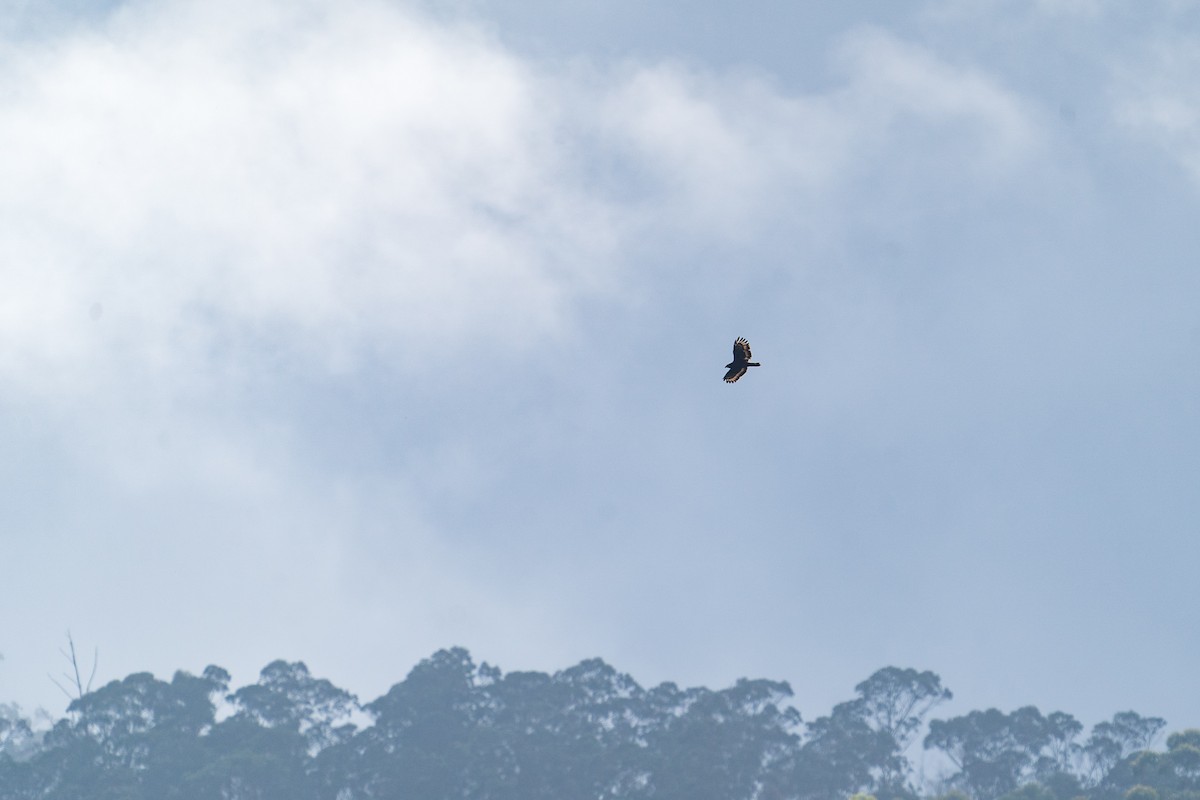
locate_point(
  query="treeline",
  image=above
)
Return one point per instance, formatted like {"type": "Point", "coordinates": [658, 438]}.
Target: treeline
{"type": "Point", "coordinates": [455, 729]}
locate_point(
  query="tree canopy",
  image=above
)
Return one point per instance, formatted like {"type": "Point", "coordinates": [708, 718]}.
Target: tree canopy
{"type": "Point", "coordinates": [457, 729]}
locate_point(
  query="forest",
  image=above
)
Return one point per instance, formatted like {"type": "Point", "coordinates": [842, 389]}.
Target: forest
{"type": "Point", "coordinates": [457, 729]}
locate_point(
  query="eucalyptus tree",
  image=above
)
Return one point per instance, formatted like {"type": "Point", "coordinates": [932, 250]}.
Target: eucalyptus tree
{"type": "Point", "coordinates": [995, 753]}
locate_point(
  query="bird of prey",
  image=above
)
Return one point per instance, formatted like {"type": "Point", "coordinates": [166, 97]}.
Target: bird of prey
{"type": "Point", "coordinates": [741, 361]}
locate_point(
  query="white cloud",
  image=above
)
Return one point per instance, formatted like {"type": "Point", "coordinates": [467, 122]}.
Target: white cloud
{"type": "Point", "coordinates": [205, 197]}
{"type": "Point", "coordinates": [201, 195]}
{"type": "Point", "coordinates": [727, 150]}
{"type": "Point", "coordinates": [322, 180]}
{"type": "Point", "coordinates": [722, 148]}
{"type": "Point", "coordinates": [323, 177]}
{"type": "Point", "coordinates": [1157, 100]}
{"type": "Point", "coordinates": [208, 204]}
{"type": "Point", "coordinates": [1087, 8]}
{"type": "Point", "coordinates": [893, 81]}
{"type": "Point", "coordinates": [990, 9]}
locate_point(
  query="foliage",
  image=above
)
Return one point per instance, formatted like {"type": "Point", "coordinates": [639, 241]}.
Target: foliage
{"type": "Point", "coordinates": [1112, 742]}
{"type": "Point", "coordinates": [18, 739]}
{"type": "Point", "coordinates": [456, 729]}
{"type": "Point", "coordinates": [995, 753]}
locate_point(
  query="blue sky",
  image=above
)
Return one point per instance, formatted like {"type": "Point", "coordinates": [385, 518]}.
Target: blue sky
{"type": "Point", "coordinates": [348, 331]}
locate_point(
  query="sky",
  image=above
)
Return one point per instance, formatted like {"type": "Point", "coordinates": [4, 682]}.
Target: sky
{"type": "Point", "coordinates": [347, 331]}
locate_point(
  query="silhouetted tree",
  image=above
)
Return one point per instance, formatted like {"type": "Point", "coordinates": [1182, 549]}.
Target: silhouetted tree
{"type": "Point", "coordinates": [455, 729]}
{"type": "Point", "coordinates": [1111, 742]}
{"type": "Point", "coordinates": [996, 752]}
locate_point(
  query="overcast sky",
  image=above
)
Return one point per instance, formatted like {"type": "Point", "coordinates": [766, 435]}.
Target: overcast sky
{"type": "Point", "coordinates": [347, 331]}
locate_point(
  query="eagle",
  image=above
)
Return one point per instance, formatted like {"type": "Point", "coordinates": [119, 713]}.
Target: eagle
{"type": "Point", "coordinates": [741, 361]}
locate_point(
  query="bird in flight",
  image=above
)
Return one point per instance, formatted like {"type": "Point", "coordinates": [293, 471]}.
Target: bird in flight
{"type": "Point", "coordinates": [741, 361]}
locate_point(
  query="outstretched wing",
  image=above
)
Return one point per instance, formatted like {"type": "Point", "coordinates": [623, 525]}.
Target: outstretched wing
{"type": "Point", "coordinates": [735, 372]}
{"type": "Point", "coordinates": [741, 351]}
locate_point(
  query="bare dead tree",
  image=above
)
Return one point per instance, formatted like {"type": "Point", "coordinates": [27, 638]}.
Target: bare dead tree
{"type": "Point", "coordinates": [75, 677]}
